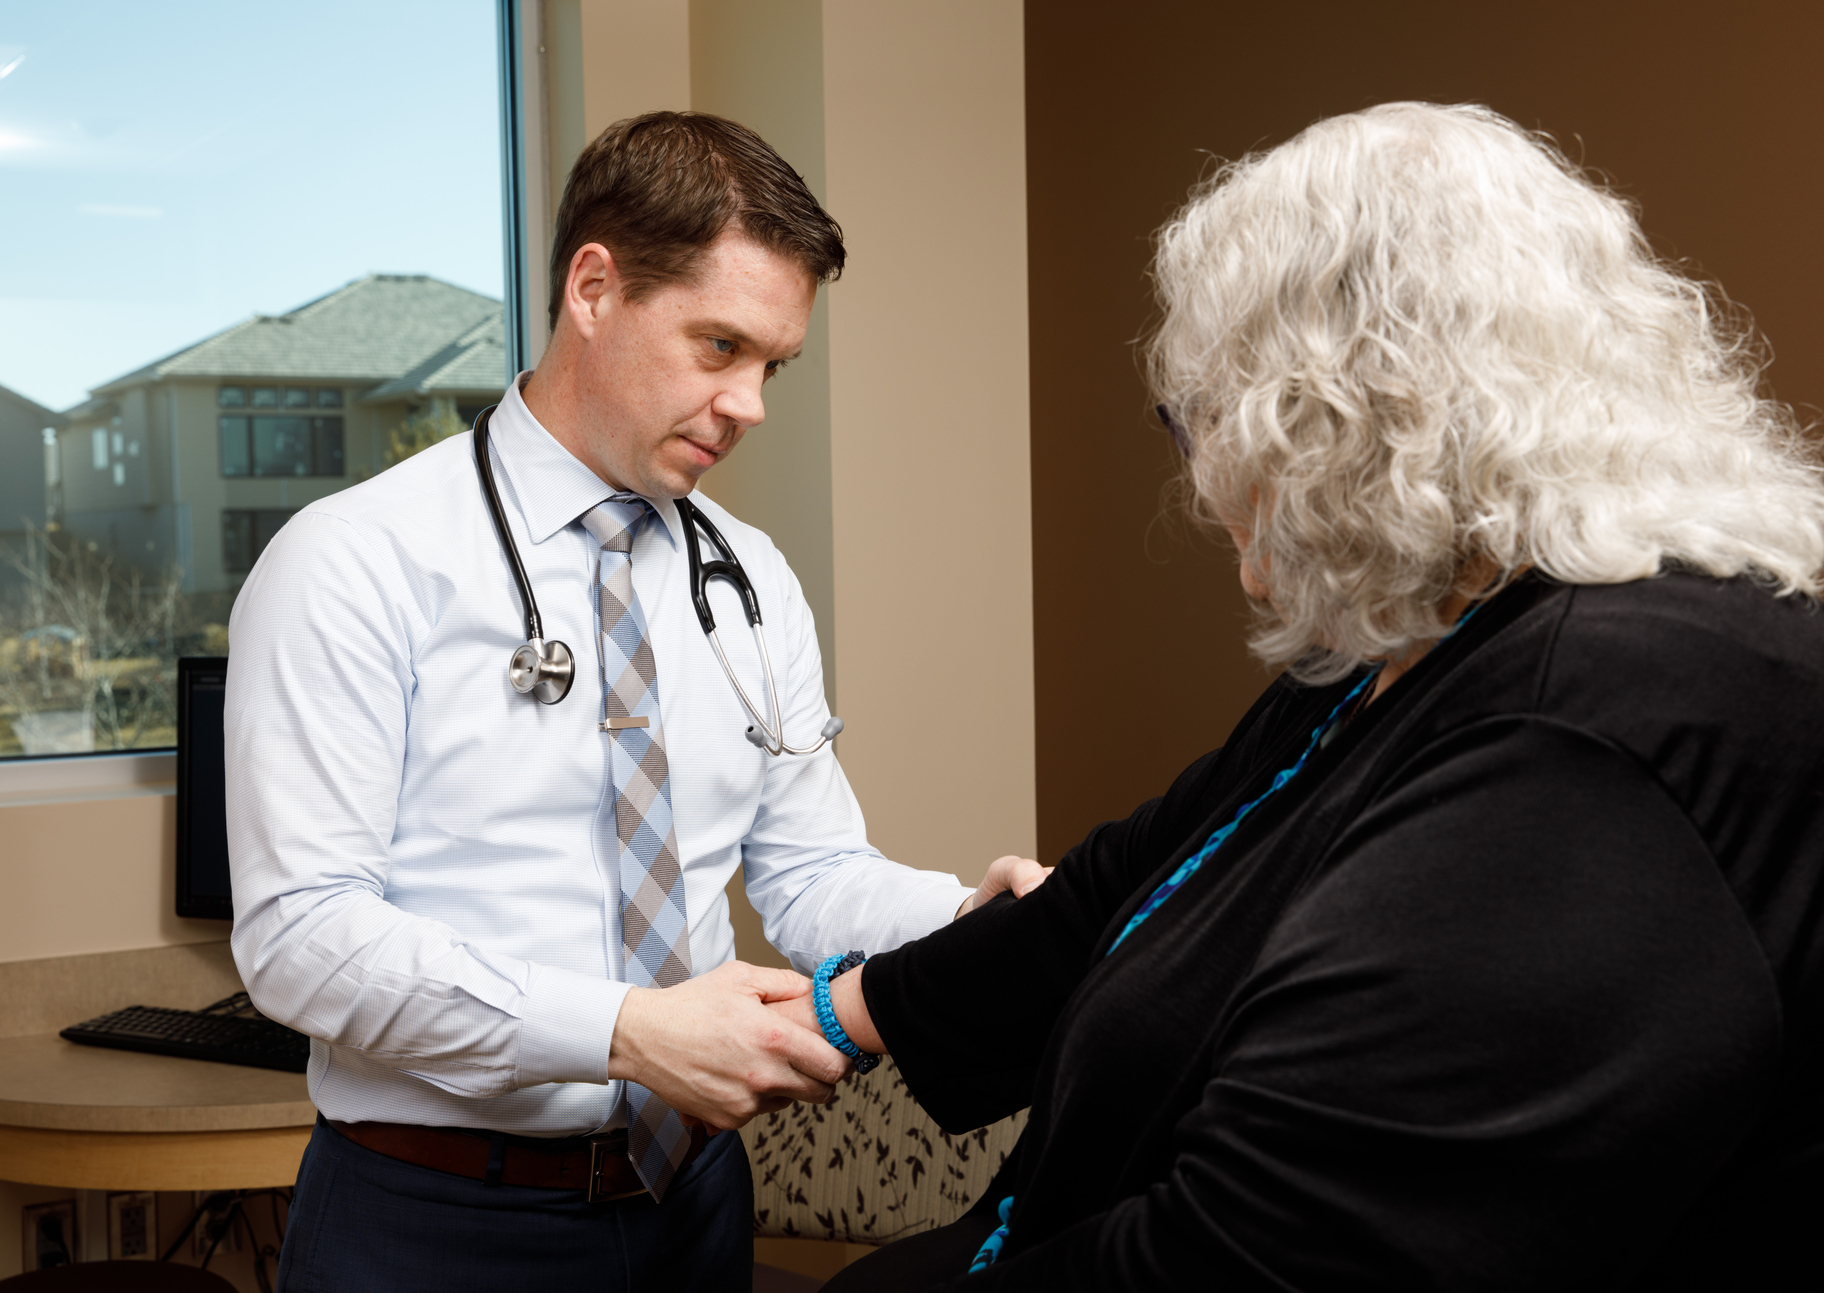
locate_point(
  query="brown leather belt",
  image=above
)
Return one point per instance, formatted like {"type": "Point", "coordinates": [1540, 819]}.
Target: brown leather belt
{"type": "Point", "coordinates": [597, 1165]}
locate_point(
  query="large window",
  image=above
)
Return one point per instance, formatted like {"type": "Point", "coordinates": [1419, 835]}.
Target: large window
{"type": "Point", "coordinates": [245, 533]}
{"type": "Point", "coordinates": [259, 446]}
{"type": "Point", "coordinates": [195, 342]}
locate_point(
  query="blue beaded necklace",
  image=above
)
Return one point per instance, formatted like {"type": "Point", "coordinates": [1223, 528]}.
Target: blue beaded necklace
{"type": "Point", "coordinates": [1190, 866]}
{"type": "Point", "coordinates": [991, 1248]}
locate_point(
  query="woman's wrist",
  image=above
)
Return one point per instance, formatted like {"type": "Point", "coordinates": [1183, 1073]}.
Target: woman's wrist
{"type": "Point", "coordinates": [832, 969]}
{"type": "Point", "coordinates": [851, 1008]}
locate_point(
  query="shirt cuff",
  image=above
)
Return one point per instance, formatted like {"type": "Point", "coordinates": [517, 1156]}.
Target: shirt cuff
{"type": "Point", "coordinates": [568, 1027]}
{"type": "Point", "coordinates": [930, 909]}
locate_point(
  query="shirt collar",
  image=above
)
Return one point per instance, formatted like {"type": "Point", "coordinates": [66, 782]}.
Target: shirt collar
{"type": "Point", "coordinates": [552, 486]}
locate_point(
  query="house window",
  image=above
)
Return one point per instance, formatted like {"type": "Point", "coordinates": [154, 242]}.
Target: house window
{"type": "Point", "coordinates": [281, 446]}
{"type": "Point", "coordinates": [237, 456]}
{"type": "Point", "coordinates": [245, 534]}
{"type": "Point", "coordinates": [272, 397]}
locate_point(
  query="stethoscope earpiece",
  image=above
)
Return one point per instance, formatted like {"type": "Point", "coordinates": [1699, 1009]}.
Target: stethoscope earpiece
{"type": "Point", "coordinates": [757, 738]}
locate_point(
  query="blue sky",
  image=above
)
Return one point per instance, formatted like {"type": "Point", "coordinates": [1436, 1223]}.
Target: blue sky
{"type": "Point", "coordinates": [168, 169]}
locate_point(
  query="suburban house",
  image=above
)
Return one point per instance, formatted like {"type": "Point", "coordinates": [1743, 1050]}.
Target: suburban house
{"type": "Point", "coordinates": [27, 459]}
{"type": "Point", "coordinates": [193, 462]}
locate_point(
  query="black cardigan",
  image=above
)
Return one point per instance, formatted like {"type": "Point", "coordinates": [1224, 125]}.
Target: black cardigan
{"type": "Point", "coordinates": [1516, 986]}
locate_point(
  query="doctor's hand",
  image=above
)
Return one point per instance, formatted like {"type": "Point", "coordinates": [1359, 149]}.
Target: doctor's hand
{"type": "Point", "coordinates": [1022, 875]}
{"type": "Point", "coordinates": [711, 1049]}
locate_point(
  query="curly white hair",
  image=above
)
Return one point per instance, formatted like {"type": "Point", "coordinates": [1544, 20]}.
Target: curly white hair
{"type": "Point", "coordinates": [1416, 342]}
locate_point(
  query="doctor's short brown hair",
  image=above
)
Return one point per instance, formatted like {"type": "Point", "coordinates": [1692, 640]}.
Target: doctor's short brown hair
{"type": "Point", "coordinates": [657, 190]}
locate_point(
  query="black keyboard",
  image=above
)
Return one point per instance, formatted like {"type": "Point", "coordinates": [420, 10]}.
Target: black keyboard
{"type": "Point", "coordinates": [219, 1032]}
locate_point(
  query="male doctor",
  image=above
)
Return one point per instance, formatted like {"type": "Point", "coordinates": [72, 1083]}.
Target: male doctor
{"type": "Point", "coordinates": [502, 922]}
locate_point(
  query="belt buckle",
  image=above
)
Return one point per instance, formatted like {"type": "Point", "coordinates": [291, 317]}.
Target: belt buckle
{"type": "Point", "coordinates": [601, 1149]}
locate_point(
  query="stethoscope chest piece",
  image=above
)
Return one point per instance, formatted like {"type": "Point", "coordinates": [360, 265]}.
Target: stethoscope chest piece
{"type": "Point", "coordinates": [544, 669]}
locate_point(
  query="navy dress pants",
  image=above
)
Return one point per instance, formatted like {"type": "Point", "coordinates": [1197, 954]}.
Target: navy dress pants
{"type": "Point", "coordinates": [363, 1221]}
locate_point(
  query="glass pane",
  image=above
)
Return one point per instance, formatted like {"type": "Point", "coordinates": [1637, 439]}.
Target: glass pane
{"type": "Point", "coordinates": [237, 540]}
{"type": "Point", "coordinates": [266, 524]}
{"type": "Point", "coordinates": [281, 447]}
{"type": "Point", "coordinates": [326, 442]}
{"type": "Point", "coordinates": [236, 461]}
{"type": "Point", "coordinates": [197, 389]}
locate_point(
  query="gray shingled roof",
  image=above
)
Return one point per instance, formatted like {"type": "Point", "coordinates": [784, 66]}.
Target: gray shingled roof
{"type": "Point", "coordinates": [473, 364]}
{"type": "Point", "coordinates": [373, 329]}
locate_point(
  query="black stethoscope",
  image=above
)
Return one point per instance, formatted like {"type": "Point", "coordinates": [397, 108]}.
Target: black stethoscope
{"type": "Point", "coordinates": [546, 670]}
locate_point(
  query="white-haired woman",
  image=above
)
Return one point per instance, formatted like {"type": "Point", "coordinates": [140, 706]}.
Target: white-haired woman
{"type": "Point", "coordinates": [1489, 951]}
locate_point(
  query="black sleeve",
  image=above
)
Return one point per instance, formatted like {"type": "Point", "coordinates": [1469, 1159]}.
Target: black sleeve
{"type": "Point", "coordinates": [1500, 1044]}
{"type": "Point", "coordinates": [966, 1011]}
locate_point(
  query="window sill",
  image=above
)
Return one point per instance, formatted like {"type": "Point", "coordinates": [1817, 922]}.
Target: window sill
{"type": "Point", "coordinates": [79, 777]}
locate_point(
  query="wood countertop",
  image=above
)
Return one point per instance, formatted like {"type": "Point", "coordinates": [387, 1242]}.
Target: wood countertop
{"type": "Point", "coordinates": [48, 1083]}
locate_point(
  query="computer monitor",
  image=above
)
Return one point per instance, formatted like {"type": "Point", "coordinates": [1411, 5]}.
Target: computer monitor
{"type": "Point", "coordinates": [202, 799]}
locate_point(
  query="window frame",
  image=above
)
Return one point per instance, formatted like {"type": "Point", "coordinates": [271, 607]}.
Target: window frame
{"type": "Point", "coordinates": [111, 774]}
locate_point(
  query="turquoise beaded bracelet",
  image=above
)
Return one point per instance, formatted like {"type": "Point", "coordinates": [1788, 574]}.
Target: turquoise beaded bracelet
{"type": "Point", "coordinates": [826, 1013]}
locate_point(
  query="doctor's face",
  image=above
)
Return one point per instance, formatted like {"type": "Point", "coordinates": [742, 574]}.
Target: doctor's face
{"type": "Point", "coordinates": [671, 382]}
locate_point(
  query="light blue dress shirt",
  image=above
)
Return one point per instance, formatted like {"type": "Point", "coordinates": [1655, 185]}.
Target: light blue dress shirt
{"type": "Point", "coordinates": [420, 883]}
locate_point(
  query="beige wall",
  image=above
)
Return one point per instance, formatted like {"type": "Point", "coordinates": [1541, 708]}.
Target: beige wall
{"type": "Point", "coordinates": [93, 875]}
{"type": "Point", "coordinates": [597, 61]}
{"type": "Point", "coordinates": [924, 142]}
{"type": "Point", "coordinates": [762, 65]}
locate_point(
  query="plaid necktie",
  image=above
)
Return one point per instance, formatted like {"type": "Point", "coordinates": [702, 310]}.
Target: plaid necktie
{"type": "Point", "coordinates": [655, 929]}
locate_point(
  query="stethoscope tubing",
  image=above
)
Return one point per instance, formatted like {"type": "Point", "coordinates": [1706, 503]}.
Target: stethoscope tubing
{"type": "Point", "coordinates": [772, 738]}
{"type": "Point", "coordinates": [534, 625]}
{"type": "Point", "coordinates": [768, 736]}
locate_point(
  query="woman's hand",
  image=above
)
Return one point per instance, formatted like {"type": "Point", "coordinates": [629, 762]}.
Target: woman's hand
{"type": "Point", "coordinates": [1021, 875]}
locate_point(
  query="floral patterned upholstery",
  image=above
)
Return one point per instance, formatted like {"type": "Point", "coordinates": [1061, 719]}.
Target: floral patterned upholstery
{"type": "Point", "coordinates": [869, 1167]}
